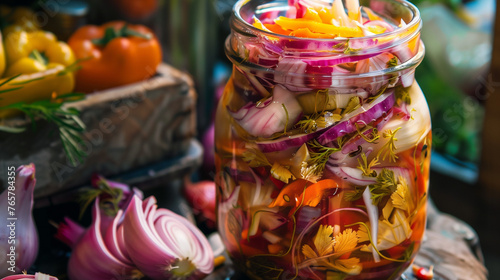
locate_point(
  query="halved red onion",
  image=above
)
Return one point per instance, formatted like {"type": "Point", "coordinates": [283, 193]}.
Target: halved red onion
{"type": "Point", "coordinates": [91, 258]}
{"type": "Point", "coordinates": [362, 116]}
{"type": "Point", "coordinates": [163, 244]}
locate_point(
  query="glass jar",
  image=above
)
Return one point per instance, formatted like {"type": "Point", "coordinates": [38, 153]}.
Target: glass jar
{"type": "Point", "coordinates": [323, 148]}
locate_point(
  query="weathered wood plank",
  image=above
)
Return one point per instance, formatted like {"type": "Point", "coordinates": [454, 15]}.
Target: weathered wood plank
{"type": "Point", "coordinates": [127, 127]}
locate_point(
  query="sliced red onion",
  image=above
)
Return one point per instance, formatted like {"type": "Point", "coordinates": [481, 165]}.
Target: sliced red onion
{"type": "Point", "coordinates": [338, 59]}
{"type": "Point", "coordinates": [407, 78]}
{"type": "Point", "coordinates": [113, 240]}
{"type": "Point", "coordinates": [256, 85]}
{"type": "Point", "coordinates": [241, 175]}
{"type": "Point", "coordinates": [272, 47]}
{"type": "Point", "coordinates": [231, 219]}
{"type": "Point", "coordinates": [372, 211]}
{"type": "Point", "coordinates": [266, 220]}
{"type": "Point", "coordinates": [37, 276]}
{"type": "Point", "coordinates": [272, 117]}
{"type": "Point", "coordinates": [91, 258]}
{"type": "Point", "coordinates": [387, 26]}
{"type": "Point", "coordinates": [286, 142]}
{"type": "Point", "coordinates": [163, 244]}
{"type": "Point", "coordinates": [352, 175]}
{"type": "Point", "coordinates": [403, 52]}
{"type": "Point", "coordinates": [271, 237]}
{"type": "Point", "coordinates": [362, 116]}
{"type": "Point", "coordinates": [414, 130]}
{"type": "Point", "coordinates": [308, 46]}
{"type": "Point", "coordinates": [348, 155]}
{"type": "Point", "coordinates": [269, 62]}
{"type": "Point", "coordinates": [291, 74]}
{"type": "Point", "coordinates": [305, 215]}
{"type": "Point", "coordinates": [127, 192]}
{"type": "Point", "coordinates": [16, 204]}
{"type": "Point", "coordinates": [259, 55]}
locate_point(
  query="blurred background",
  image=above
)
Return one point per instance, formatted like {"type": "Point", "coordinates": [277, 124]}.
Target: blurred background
{"type": "Point", "coordinates": [455, 77]}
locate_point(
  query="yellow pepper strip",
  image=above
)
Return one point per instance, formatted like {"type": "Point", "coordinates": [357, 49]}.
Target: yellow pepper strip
{"type": "Point", "coordinates": [325, 14]}
{"type": "Point", "coordinates": [34, 87]}
{"type": "Point", "coordinates": [377, 29]}
{"type": "Point", "coordinates": [31, 52]}
{"type": "Point", "coordinates": [258, 24]}
{"type": "Point", "coordinates": [306, 33]}
{"type": "Point", "coordinates": [371, 15]}
{"type": "Point", "coordinates": [312, 15]}
{"type": "Point", "coordinates": [352, 9]}
{"type": "Point", "coordinates": [340, 31]}
{"type": "Point", "coordinates": [276, 29]}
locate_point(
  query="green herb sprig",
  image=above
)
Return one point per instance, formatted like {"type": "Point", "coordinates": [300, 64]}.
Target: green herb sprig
{"type": "Point", "coordinates": [69, 124]}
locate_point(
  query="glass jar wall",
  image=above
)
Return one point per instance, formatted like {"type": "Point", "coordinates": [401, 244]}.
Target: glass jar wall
{"type": "Point", "coordinates": [323, 145]}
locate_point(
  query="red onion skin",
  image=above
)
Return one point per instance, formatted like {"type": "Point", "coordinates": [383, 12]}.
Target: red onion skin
{"type": "Point", "coordinates": [26, 245]}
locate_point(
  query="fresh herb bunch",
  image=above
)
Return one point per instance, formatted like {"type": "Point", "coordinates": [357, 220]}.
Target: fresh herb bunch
{"type": "Point", "coordinates": [67, 120]}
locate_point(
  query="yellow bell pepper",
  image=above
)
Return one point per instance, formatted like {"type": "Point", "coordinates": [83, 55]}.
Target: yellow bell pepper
{"type": "Point", "coordinates": [31, 52]}
{"type": "Point", "coordinates": [34, 87]}
{"type": "Point", "coordinates": [17, 19]}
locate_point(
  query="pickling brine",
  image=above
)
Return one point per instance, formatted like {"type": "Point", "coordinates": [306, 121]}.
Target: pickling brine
{"type": "Point", "coordinates": [323, 140]}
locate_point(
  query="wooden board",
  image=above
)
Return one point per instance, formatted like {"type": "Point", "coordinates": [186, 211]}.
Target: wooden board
{"type": "Point", "coordinates": [127, 127]}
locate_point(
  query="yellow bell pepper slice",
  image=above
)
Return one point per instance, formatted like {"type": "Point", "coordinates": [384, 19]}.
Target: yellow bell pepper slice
{"type": "Point", "coordinates": [306, 33]}
{"type": "Point", "coordinates": [34, 87]}
{"type": "Point", "coordinates": [258, 24]}
{"type": "Point", "coordinates": [371, 15]}
{"type": "Point", "coordinates": [325, 14]}
{"type": "Point", "coordinates": [340, 31]}
{"type": "Point", "coordinates": [376, 29]}
{"type": "Point", "coordinates": [312, 15]}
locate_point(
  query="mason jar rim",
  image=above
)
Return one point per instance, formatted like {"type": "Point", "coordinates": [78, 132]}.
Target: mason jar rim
{"type": "Point", "coordinates": [416, 20]}
{"type": "Point", "coordinates": [412, 62]}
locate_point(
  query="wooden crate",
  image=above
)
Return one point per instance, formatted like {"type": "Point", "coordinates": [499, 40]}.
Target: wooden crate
{"type": "Point", "coordinates": [128, 127]}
